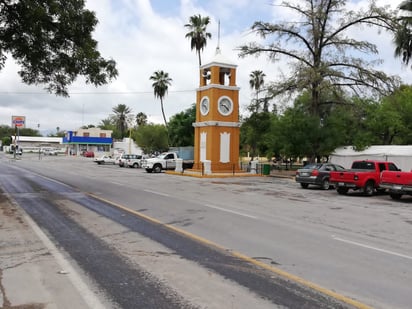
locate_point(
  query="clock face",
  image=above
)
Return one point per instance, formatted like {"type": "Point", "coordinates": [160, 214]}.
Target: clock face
{"type": "Point", "coordinates": [225, 106]}
{"type": "Point", "coordinates": [204, 106]}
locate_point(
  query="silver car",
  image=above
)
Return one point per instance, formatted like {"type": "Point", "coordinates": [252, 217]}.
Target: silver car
{"type": "Point", "coordinates": [316, 174]}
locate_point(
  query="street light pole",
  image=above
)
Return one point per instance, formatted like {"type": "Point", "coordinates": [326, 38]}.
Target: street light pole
{"type": "Point", "coordinates": [38, 129]}
{"type": "Point", "coordinates": [130, 140]}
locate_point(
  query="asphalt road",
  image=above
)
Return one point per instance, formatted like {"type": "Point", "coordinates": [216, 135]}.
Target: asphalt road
{"type": "Point", "coordinates": [356, 246]}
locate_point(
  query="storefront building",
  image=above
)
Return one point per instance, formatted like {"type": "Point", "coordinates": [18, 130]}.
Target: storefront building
{"type": "Point", "coordinates": [93, 140]}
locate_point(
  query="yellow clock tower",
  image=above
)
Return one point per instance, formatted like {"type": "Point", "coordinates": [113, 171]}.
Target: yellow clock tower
{"type": "Point", "coordinates": [217, 123]}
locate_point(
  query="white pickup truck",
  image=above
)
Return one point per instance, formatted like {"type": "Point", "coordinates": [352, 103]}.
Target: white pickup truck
{"type": "Point", "coordinates": [164, 161]}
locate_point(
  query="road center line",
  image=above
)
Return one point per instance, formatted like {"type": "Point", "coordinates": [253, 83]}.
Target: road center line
{"type": "Point", "coordinates": [231, 211]}
{"type": "Point", "coordinates": [157, 193]}
{"type": "Point", "coordinates": [373, 248]}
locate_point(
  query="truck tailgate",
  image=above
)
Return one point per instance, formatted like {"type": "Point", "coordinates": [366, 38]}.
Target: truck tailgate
{"type": "Point", "coordinates": [343, 176]}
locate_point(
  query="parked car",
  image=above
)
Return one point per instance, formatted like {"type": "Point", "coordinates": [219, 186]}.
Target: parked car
{"type": "Point", "coordinates": [124, 157]}
{"type": "Point", "coordinates": [317, 174]}
{"type": "Point", "coordinates": [105, 160]}
{"type": "Point", "coordinates": [134, 161]}
{"type": "Point", "coordinates": [50, 152]}
{"type": "Point", "coordinates": [88, 154]}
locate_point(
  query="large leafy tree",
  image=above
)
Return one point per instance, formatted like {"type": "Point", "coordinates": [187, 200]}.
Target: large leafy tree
{"type": "Point", "coordinates": [198, 34]}
{"type": "Point", "coordinates": [22, 131]}
{"type": "Point", "coordinates": [161, 83]}
{"type": "Point", "coordinates": [181, 129]}
{"type": "Point", "coordinates": [346, 124]}
{"type": "Point", "coordinates": [6, 132]}
{"type": "Point", "coordinates": [151, 138]}
{"type": "Point", "coordinates": [298, 133]}
{"type": "Point", "coordinates": [254, 131]}
{"type": "Point", "coordinates": [122, 114]}
{"type": "Point", "coordinates": [323, 57]}
{"type": "Point", "coordinates": [390, 122]}
{"type": "Point", "coordinates": [52, 42]}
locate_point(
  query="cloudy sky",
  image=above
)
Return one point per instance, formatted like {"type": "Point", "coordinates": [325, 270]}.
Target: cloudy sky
{"type": "Point", "coordinates": [144, 36]}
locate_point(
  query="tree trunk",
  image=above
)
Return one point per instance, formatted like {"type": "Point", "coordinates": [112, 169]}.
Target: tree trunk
{"type": "Point", "coordinates": [200, 61]}
{"type": "Point", "coordinates": [164, 118]}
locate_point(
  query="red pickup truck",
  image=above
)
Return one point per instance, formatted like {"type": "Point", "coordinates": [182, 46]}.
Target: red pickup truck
{"type": "Point", "coordinates": [397, 183]}
{"type": "Point", "coordinates": [364, 175]}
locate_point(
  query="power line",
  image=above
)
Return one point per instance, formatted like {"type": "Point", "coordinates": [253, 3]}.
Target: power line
{"type": "Point", "coordinates": [92, 92]}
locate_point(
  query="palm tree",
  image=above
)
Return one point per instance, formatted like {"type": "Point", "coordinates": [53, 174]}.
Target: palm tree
{"type": "Point", "coordinates": [161, 82]}
{"type": "Point", "coordinates": [257, 79]}
{"type": "Point", "coordinates": [106, 124]}
{"type": "Point", "coordinates": [403, 35]}
{"type": "Point", "coordinates": [121, 114]}
{"type": "Point", "coordinates": [141, 119]}
{"type": "Point", "coordinates": [197, 33]}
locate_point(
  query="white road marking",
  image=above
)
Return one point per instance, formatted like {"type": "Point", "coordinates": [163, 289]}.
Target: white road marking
{"type": "Point", "coordinates": [373, 248]}
{"type": "Point", "coordinates": [157, 193]}
{"type": "Point", "coordinates": [231, 211]}
{"type": "Point", "coordinates": [116, 183]}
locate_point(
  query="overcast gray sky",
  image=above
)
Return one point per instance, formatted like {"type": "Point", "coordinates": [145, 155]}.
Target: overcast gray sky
{"type": "Point", "coordinates": [145, 36]}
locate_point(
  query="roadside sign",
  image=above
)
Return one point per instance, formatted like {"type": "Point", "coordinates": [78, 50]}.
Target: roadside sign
{"type": "Point", "coordinates": [18, 121]}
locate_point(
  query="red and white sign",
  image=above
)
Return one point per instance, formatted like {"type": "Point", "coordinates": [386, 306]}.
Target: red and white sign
{"type": "Point", "coordinates": [18, 121]}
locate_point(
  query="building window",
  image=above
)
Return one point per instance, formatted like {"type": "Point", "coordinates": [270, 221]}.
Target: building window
{"type": "Point", "coordinates": [86, 134]}
{"type": "Point", "coordinates": [102, 134]}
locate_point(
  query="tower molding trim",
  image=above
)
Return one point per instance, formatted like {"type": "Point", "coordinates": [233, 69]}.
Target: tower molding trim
{"type": "Point", "coordinates": [203, 124]}
{"type": "Point", "coordinates": [218, 86]}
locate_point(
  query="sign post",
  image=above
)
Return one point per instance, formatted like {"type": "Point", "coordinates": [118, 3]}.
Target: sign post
{"type": "Point", "coordinates": [17, 122]}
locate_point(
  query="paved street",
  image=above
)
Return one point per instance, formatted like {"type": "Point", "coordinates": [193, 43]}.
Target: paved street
{"type": "Point", "coordinates": [355, 246]}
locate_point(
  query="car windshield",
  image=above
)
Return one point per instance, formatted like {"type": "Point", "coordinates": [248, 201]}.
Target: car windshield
{"type": "Point", "coordinates": [312, 166]}
{"type": "Point", "coordinates": [162, 156]}
{"type": "Point", "coordinates": [339, 168]}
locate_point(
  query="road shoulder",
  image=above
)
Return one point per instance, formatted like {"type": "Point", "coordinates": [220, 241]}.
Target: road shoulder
{"type": "Point", "coordinates": [30, 276]}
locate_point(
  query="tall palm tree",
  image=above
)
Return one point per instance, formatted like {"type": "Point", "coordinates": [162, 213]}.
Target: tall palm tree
{"type": "Point", "coordinates": [161, 83]}
{"type": "Point", "coordinates": [257, 80]}
{"type": "Point", "coordinates": [121, 114]}
{"type": "Point", "coordinates": [197, 33]}
{"type": "Point", "coordinates": [403, 35]}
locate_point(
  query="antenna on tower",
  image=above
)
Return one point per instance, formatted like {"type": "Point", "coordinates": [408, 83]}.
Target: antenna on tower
{"type": "Point", "coordinates": [218, 34]}
{"type": "Point", "coordinates": [218, 38]}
